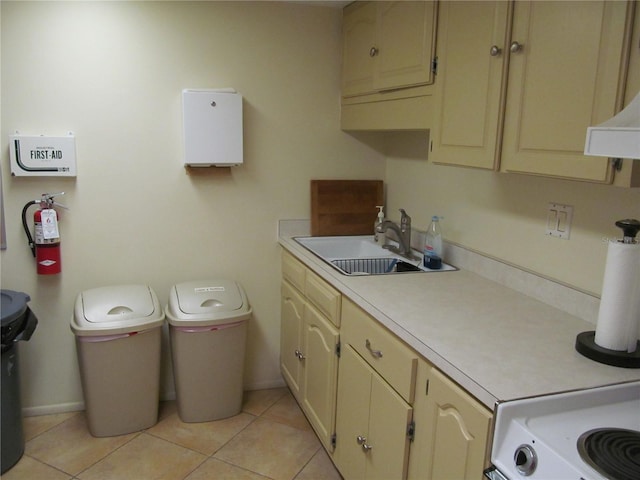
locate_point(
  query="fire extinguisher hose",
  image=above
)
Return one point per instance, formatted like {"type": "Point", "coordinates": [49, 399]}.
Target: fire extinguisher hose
{"type": "Point", "coordinates": [26, 227]}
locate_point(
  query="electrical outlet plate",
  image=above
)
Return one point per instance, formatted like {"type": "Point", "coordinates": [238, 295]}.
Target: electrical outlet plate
{"type": "Point", "coordinates": [559, 220]}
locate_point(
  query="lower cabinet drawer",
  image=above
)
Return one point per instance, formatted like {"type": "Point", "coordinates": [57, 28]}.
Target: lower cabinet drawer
{"type": "Point", "coordinates": [293, 271]}
{"type": "Point", "coordinates": [392, 359]}
{"type": "Point", "coordinates": [324, 297]}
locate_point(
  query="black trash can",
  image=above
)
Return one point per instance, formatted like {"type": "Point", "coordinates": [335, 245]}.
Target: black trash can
{"type": "Point", "coordinates": [18, 324]}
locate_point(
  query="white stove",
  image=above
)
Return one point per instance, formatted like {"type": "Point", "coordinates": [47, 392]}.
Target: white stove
{"type": "Point", "coordinates": [537, 438]}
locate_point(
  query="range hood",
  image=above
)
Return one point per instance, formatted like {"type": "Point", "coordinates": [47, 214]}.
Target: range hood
{"type": "Point", "coordinates": [618, 137]}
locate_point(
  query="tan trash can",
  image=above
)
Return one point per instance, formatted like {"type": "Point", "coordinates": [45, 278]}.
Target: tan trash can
{"type": "Point", "coordinates": [208, 329]}
{"type": "Point", "coordinates": [118, 334]}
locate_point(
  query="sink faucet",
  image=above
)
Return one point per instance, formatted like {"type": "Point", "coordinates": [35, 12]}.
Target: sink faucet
{"type": "Point", "coordinates": [403, 233]}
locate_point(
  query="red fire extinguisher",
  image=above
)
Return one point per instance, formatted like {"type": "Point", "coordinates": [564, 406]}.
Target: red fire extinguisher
{"type": "Point", "coordinates": [46, 246]}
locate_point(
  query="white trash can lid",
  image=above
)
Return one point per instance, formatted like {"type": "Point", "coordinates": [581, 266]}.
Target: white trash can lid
{"type": "Point", "coordinates": [116, 309]}
{"type": "Point", "coordinates": [207, 302]}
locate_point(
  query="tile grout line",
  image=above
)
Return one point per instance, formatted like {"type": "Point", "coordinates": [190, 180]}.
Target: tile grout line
{"type": "Point", "coordinates": [255, 405]}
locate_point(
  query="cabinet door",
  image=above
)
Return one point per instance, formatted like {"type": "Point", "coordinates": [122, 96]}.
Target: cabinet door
{"type": "Point", "coordinates": [405, 44]}
{"type": "Point", "coordinates": [564, 68]}
{"type": "Point", "coordinates": [358, 36]}
{"type": "Point", "coordinates": [320, 373]}
{"type": "Point", "coordinates": [419, 459]}
{"type": "Point", "coordinates": [387, 46]}
{"type": "Point", "coordinates": [352, 415]}
{"type": "Point", "coordinates": [458, 442]}
{"type": "Point", "coordinates": [292, 314]}
{"type": "Point", "coordinates": [389, 418]}
{"type": "Point", "coordinates": [470, 91]}
{"type": "Point", "coordinates": [371, 424]}
{"type": "Point", "coordinates": [380, 348]}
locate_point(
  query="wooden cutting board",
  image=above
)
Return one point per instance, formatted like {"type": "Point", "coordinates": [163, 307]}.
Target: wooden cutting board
{"type": "Point", "coordinates": [345, 207]}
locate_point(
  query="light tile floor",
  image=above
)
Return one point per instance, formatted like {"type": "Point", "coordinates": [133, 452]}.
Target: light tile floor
{"type": "Point", "coordinates": [269, 439]}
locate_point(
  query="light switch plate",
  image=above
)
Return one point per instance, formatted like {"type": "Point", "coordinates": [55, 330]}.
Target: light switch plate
{"type": "Point", "coordinates": [559, 220]}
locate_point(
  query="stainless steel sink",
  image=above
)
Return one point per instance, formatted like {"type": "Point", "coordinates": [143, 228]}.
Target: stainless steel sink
{"type": "Point", "coordinates": [360, 255]}
{"type": "Point", "coordinates": [373, 266]}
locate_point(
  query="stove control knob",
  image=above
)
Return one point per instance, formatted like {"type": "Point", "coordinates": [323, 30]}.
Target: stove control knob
{"type": "Point", "coordinates": [525, 459]}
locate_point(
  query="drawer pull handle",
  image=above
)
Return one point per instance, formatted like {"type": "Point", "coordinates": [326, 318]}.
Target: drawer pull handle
{"type": "Point", "coordinates": [375, 353]}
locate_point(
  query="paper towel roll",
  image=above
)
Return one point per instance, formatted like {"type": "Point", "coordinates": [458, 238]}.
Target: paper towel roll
{"type": "Point", "coordinates": [619, 315]}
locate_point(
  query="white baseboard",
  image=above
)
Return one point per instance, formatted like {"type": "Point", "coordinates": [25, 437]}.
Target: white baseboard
{"type": "Point", "coordinates": [164, 397]}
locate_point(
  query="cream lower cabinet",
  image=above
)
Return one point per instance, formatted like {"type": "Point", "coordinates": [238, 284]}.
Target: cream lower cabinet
{"type": "Point", "coordinates": [309, 343]}
{"type": "Point", "coordinates": [398, 416]}
{"type": "Point", "coordinates": [375, 389]}
{"type": "Point", "coordinates": [451, 430]}
{"type": "Point", "coordinates": [319, 357]}
{"type": "Point", "coordinates": [379, 409]}
{"type": "Point", "coordinates": [371, 425]}
{"type": "Point", "coordinates": [291, 319]}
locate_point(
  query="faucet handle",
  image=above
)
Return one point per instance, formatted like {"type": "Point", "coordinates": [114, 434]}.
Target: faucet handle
{"type": "Point", "coordinates": [405, 219]}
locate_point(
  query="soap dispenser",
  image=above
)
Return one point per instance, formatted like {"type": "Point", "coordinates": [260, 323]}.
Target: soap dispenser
{"type": "Point", "coordinates": [379, 237]}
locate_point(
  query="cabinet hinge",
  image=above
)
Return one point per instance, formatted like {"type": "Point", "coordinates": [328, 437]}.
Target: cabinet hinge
{"type": "Point", "coordinates": [616, 163]}
{"type": "Point", "coordinates": [333, 440]}
{"type": "Point", "coordinates": [338, 349]}
{"type": "Point", "coordinates": [434, 66]}
{"type": "Point", "coordinates": [411, 430]}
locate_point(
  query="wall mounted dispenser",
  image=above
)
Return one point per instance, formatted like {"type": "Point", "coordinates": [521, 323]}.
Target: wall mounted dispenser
{"type": "Point", "coordinates": [212, 127]}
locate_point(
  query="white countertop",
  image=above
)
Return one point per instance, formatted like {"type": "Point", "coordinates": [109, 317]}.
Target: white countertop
{"type": "Point", "coordinates": [495, 342]}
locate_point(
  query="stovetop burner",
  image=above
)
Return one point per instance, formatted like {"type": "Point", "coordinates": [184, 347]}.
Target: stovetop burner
{"type": "Point", "coordinates": [613, 452]}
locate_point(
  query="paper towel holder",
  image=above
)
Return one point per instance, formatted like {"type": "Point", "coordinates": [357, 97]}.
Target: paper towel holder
{"type": "Point", "coordinates": [585, 341]}
{"type": "Point", "coordinates": [212, 127]}
{"type": "Point", "coordinates": [586, 345]}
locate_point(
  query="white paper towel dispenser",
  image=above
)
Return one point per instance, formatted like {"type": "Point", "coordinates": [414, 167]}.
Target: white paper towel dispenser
{"type": "Point", "coordinates": [212, 127]}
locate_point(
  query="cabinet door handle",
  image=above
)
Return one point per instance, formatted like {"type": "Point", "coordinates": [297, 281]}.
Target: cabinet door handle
{"type": "Point", "coordinates": [375, 353]}
{"type": "Point", "coordinates": [495, 51]}
{"type": "Point", "coordinates": [299, 354]}
{"type": "Point", "coordinates": [366, 447]}
{"type": "Point", "coordinates": [516, 47]}
{"type": "Point", "coordinates": [361, 440]}
{"type": "Point", "coordinates": [373, 51]}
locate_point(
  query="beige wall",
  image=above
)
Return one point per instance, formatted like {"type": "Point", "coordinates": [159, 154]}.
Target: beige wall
{"type": "Point", "coordinates": [112, 73]}
{"type": "Point", "coordinates": [504, 215]}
